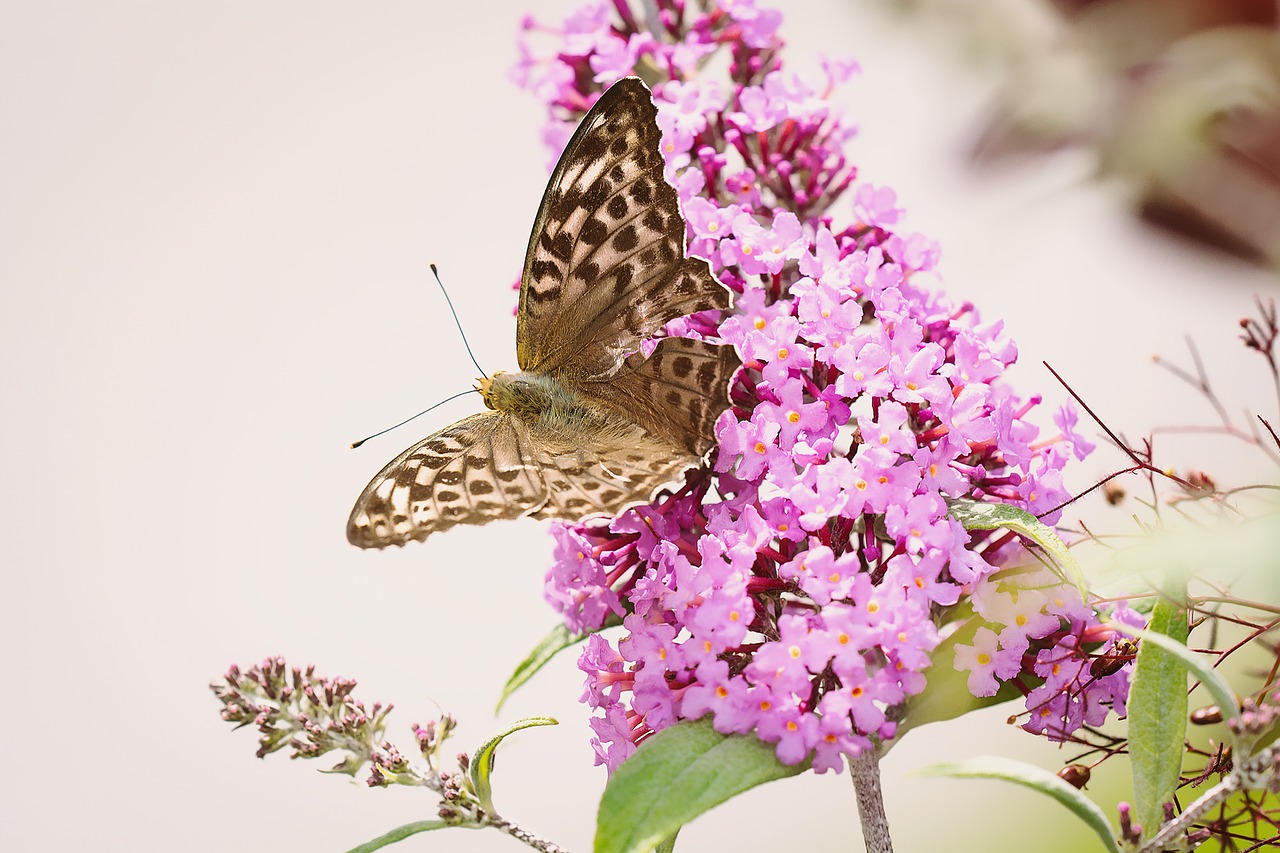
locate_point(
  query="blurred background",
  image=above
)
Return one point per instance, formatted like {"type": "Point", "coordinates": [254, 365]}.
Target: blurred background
{"type": "Point", "coordinates": [215, 226]}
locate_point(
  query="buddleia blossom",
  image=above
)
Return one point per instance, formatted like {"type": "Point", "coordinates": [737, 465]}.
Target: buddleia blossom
{"type": "Point", "coordinates": [313, 716]}
{"type": "Point", "coordinates": [797, 589]}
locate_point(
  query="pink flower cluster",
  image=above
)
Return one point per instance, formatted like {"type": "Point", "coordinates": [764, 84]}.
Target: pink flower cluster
{"type": "Point", "coordinates": [798, 589]}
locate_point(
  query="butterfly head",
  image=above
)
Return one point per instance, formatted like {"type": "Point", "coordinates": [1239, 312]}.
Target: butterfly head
{"type": "Point", "coordinates": [516, 393]}
{"type": "Point", "coordinates": [485, 386]}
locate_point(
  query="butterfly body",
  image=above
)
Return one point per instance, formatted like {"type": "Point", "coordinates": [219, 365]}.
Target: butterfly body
{"type": "Point", "coordinates": [589, 424]}
{"type": "Point", "coordinates": [564, 419]}
{"type": "Point", "coordinates": [532, 397]}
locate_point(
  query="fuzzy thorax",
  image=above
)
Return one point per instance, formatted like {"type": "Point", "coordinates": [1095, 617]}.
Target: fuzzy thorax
{"type": "Point", "coordinates": [562, 415]}
{"type": "Point", "coordinates": [528, 396]}
{"type": "Point", "coordinates": [517, 393]}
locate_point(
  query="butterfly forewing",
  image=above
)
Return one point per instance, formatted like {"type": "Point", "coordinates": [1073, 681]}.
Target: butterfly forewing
{"type": "Point", "coordinates": [492, 465]}
{"type": "Point", "coordinates": [606, 266]}
{"type": "Point", "coordinates": [469, 473]}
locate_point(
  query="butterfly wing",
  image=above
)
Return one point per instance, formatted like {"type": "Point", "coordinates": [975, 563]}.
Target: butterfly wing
{"type": "Point", "coordinates": [493, 465]}
{"type": "Point", "coordinates": [605, 267]}
{"type": "Point", "coordinates": [678, 392]}
{"type": "Point", "coordinates": [469, 473]}
{"type": "Point", "coordinates": [606, 476]}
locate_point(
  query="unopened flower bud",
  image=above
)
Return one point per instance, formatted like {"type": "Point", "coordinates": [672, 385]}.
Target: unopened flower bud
{"type": "Point", "coordinates": [1076, 775]}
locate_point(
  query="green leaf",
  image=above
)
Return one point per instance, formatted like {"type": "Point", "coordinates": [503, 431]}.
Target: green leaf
{"type": "Point", "coordinates": [1157, 709]}
{"type": "Point", "coordinates": [667, 845]}
{"type": "Point", "coordinates": [548, 647]}
{"type": "Point", "coordinates": [1037, 779]}
{"type": "Point", "coordinates": [481, 768]}
{"type": "Point", "coordinates": [676, 775]}
{"type": "Point", "coordinates": [400, 833]}
{"type": "Point", "coordinates": [983, 515]}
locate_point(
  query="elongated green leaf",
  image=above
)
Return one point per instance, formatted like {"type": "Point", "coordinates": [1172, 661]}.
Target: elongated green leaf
{"type": "Point", "coordinates": [400, 833]}
{"type": "Point", "coordinates": [1037, 779]}
{"type": "Point", "coordinates": [481, 767]}
{"type": "Point", "coordinates": [1157, 708]}
{"type": "Point", "coordinates": [548, 647]}
{"type": "Point", "coordinates": [982, 515]}
{"type": "Point", "coordinates": [676, 775]}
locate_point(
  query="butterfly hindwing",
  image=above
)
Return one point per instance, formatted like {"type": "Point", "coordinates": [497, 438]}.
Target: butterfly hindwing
{"type": "Point", "coordinates": [677, 392]}
{"type": "Point", "coordinates": [605, 267]}
{"type": "Point", "coordinates": [606, 476]}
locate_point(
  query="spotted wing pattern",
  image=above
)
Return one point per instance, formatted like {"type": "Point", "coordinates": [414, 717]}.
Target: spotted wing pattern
{"type": "Point", "coordinates": [493, 465]}
{"type": "Point", "coordinates": [470, 472]}
{"type": "Point", "coordinates": [606, 266]}
{"type": "Point", "coordinates": [678, 392]}
{"type": "Point", "coordinates": [608, 477]}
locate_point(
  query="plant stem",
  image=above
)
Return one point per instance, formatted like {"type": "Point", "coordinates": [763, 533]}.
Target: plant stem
{"type": "Point", "coordinates": [1256, 772]}
{"type": "Point", "coordinates": [504, 825]}
{"type": "Point", "coordinates": [1174, 830]}
{"type": "Point", "coordinates": [865, 770]}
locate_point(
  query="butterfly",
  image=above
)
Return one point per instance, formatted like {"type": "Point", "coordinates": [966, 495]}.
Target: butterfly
{"type": "Point", "coordinates": [589, 425]}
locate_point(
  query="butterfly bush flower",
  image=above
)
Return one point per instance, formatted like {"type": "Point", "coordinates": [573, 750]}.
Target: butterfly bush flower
{"type": "Point", "coordinates": [797, 590]}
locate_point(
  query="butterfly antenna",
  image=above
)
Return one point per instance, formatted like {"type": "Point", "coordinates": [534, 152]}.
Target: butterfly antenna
{"type": "Point", "coordinates": [356, 444]}
{"type": "Point", "coordinates": [457, 322]}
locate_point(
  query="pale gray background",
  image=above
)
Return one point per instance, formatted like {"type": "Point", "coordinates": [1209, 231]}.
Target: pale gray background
{"type": "Point", "coordinates": [215, 225]}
